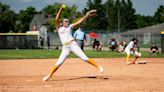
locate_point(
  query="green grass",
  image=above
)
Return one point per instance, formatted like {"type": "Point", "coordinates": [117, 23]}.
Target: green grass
{"type": "Point", "coordinates": [41, 54]}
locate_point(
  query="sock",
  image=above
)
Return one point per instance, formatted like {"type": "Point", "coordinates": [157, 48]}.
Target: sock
{"type": "Point", "coordinates": [135, 59]}
{"type": "Point", "coordinates": [92, 62]}
{"type": "Point", "coordinates": [53, 70]}
{"type": "Point", "coordinates": [127, 58]}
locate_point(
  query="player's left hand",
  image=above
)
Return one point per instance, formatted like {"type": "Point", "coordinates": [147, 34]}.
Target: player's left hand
{"type": "Point", "coordinates": [91, 13]}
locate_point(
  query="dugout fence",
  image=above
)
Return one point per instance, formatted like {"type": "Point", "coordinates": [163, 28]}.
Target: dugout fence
{"type": "Point", "coordinates": [18, 40]}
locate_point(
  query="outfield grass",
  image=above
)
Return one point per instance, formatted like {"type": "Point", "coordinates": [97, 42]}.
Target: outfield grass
{"type": "Point", "coordinates": [40, 54]}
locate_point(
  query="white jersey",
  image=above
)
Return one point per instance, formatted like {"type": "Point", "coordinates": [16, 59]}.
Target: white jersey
{"type": "Point", "coordinates": [130, 45]}
{"type": "Point", "coordinates": [65, 34]}
{"type": "Point", "coordinates": [128, 49]}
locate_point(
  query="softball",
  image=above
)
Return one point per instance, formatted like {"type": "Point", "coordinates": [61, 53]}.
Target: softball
{"type": "Point", "coordinates": [63, 5]}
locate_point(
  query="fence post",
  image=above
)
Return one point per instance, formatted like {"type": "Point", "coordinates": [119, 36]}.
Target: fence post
{"type": "Point", "coordinates": [162, 42]}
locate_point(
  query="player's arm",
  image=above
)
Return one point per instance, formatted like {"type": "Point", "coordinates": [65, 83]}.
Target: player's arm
{"type": "Point", "coordinates": [88, 14]}
{"type": "Point", "coordinates": [57, 18]}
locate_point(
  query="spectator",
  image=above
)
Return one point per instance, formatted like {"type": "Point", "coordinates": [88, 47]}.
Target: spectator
{"type": "Point", "coordinates": [121, 47]}
{"type": "Point", "coordinates": [96, 45]}
{"type": "Point", "coordinates": [79, 36]}
{"type": "Point", "coordinates": [154, 49]}
{"type": "Point", "coordinates": [113, 44]}
{"type": "Point", "coordinates": [93, 44]}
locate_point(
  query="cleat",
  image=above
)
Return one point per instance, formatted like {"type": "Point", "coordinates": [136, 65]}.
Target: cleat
{"type": "Point", "coordinates": [46, 78]}
{"type": "Point", "coordinates": [139, 54]}
{"type": "Point", "coordinates": [136, 63]}
{"type": "Point", "coordinates": [101, 69]}
{"type": "Point", "coordinates": [133, 62]}
{"type": "Point", "coordinates": [128, 63]}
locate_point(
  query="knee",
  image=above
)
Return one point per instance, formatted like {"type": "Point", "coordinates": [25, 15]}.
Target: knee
{"type": "Point", "coordinates": [128, 55]}
{"type": "Point", "coordinates": [58, 64]}
{"type": "Point", "coordinates": [86, 59]}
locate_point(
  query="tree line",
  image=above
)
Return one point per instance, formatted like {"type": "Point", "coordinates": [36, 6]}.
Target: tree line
{"type": "Point", "coordinates": [111, 16]}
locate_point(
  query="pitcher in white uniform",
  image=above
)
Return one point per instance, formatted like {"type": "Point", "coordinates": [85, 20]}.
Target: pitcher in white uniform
{"type": "Point", "coordinates": [67, 40]}
{"type": "Point", "coordinates": [130, 49]}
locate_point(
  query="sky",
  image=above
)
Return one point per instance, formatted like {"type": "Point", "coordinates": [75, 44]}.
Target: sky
{"type": "Point", "coordinates": [143, 7]}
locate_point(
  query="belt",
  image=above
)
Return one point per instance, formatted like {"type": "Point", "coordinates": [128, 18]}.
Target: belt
{"type": "Point", "coordinates": [67, 43]}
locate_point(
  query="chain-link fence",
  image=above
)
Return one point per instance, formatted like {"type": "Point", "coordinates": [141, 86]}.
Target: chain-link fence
{"type": "Point", "coordinates": [33, 41]}
{"type": "Point", "coordinates": [145, 39]}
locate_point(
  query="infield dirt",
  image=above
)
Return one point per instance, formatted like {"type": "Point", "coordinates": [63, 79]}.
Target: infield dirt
{"type": "Point", "coordinates": [25, 75]}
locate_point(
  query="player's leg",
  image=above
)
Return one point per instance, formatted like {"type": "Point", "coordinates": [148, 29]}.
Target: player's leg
{"type": "Point", "coordinates": [60, 61]}
{"type": "Point", "coordinates": [134, 61]}
{"type": "Point", "coordinates": [127, 59]}
{"type": "Point", "coordinates": [65, 52]}
{"type": "Point", "coordinates": [127, 56]}
{"type": "Point", "coordinates": [82, 44]}
{"type": "Point", "coordinates": [80, 54]}
{"type": "Point", "coordinates": [137, 55]}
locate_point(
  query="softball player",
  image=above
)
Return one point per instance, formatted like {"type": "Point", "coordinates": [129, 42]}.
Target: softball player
{"type": "Point", "coordinates": [130, 49]}
{"type": "Point", "coordinates": [65, 34]}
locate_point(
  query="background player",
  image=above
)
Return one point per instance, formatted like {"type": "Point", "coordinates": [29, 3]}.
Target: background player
{"type": "Point", "coordinates": [65, 34]}
{"type": "Point", "coordinates": [79, 35]}
{"type": "Point", "coordinates": [131, 49]}
{"type": "Point", "coordinates": [154, 49]}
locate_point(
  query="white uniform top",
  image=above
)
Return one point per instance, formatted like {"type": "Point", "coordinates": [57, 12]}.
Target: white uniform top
{"type": "Point", "coordinates": [130, 45]}
{"type": "Point", "coordinates": [65, 34]}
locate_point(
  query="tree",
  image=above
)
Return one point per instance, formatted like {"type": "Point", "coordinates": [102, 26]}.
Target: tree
{"type": "Point", "coordinates": [25, 17]}
{"type": "Point", "coordinates": [111, 14]}
{"type": "Point", "coordinates": [159, 15]}
{"type": "Point", "coordinates": [143, 21]}
{"type": "Point", "coordinates": [49, 9]}
{"type": "Point", "coordinates": [129, 16]}
{"type": "Point", "coordinates": [120, 14]}
{"type": "Point", "coordinates": [118, 7]}
{"type": "Point", "coordinates": [98, 22]}
{"type": "Point", "coordinates": [123, 14]}
{"type": "Point", "coordinates": [69, 12]}
{"type": "Point", "coordinates": [7, 18]}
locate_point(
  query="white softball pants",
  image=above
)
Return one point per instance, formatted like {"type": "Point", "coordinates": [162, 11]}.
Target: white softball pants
{"type": "Point", "coordinates": [66, 51]}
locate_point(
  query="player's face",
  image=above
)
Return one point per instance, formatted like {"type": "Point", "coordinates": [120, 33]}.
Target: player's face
{"type": "Point", "coordinates": [65, 23]}
{"type": "Point", "coordinates": [135, 41]}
